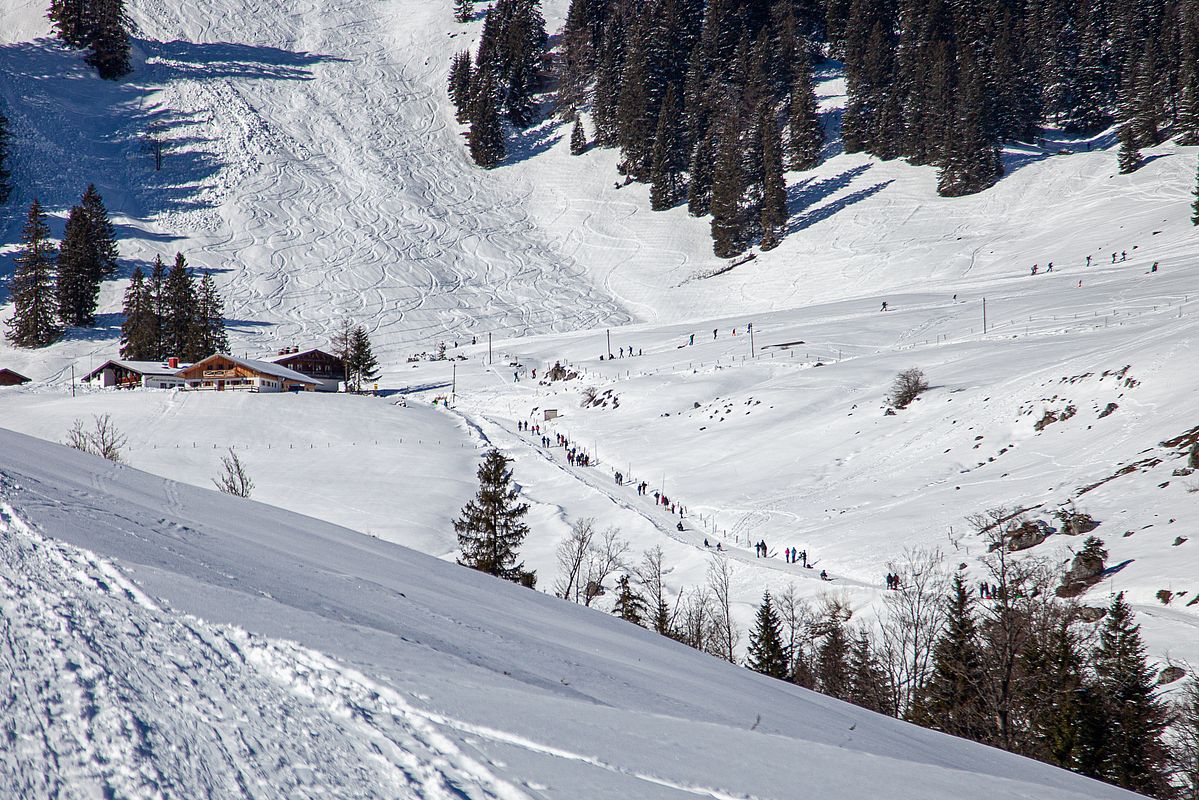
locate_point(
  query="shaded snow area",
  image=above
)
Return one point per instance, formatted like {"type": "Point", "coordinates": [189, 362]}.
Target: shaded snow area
{"type": "Point", "coordinates": [165, 641]}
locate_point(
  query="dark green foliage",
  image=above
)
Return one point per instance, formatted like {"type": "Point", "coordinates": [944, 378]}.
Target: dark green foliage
{"type": "Point", "coordinates": [805, 135]}
{"type": "Point", "coordinates": [139, 331]}
{"type": "Point", "coordinates": [630, 605]}
{"type": "Point", "coordinates": [699, 187]}
{"type": "Point", "coordinates": [486, 136]}
{"type": "Point", "coordinates": [102, 234]}
{"type": "Point", "coordinates": [578, 138]}
{"type": "Point", "coordinates": [459, 84]}
{"type": "Point", "coordinates": [78, 271]}
{"type": "Point", "coordinates": [35, 316]}
{"type": "Point", "coordinates": [207, 335]}
{"type": "Point", "coordinates": [1195, 204]}
{"type": "Point", "coordinates": [971, 158]}
{"type": "Point", "coordinates": [1134, 756]}
{"type": "Point", "coordinates": [833, 675]}
{"type": "Point", "coordinates": [773, 213]}
{"type": "Point", "coordinates": [108, 38]}
{"type": "Point", "coordinates": [952, 701]}
{"type": "Point", "coordinates": [361, 364]}
{"type": "Point", "coordinates": [728, 188]}
{"type": "Point", "coordinates": [1129, 157]}
{"type": "Point", "coordinates": [156, 293]}
{"type": "Point", "coordinates": [491, 528]}
{"type": "Point", "coordinates": [5, 172]}
{"type": "Point", "coordinates": [1056, 695]}
{"type": "Point", "coordinates": [668, 162]}
{"type": "Point", "coordinates": [71, 22]}
{"type": "Point", "coordinates": [767, 653]}
{"type": "Point", "coordinates": [868, 684]}
{"type": "Point", "coordinates": [176, 305]}
{"type": "Point", "coordinates": [464, 10]}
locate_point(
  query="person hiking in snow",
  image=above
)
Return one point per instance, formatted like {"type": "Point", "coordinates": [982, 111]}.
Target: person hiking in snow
{"type": "Point", "coordinates": [713, 333]}
{"type": "Point", "coordinates": [1034, 269]}
{"type": "Point", "coordinates": [706, 542]}
{"type": "Point", "coordinates": [884, 308]}
{"type": "Point", "coordinates": [718, 547]}
{"type": "Point", "coordinates": [787, 554]}
{"type": "Point", "coordinates": [691, 340]}
{"type": "Point", "coordinates": [680, 527]}
{"type": "Point", "coordinates": [1154, 267]}
{"type": "Point", "coordinates": [1123, 255]}
{"type": "Point", "coordinates": [1050, 267]}
{"type": "Point", "coordinates": [1088, 261]}
{"type": "Point", "coordinates": [823, 575]}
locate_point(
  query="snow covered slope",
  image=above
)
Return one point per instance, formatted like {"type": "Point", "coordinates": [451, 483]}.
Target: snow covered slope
{"type": "Point", "coordinates": [164, 641]}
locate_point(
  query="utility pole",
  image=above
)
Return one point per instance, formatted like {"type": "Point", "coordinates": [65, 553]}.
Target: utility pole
{"type": "Point", "coordinates": [609, 332]}
{"type": "Point", "coordinates": [984, 315]}
{"type": "Point", "coordinates": [72, 380]}
{"type": "Point", "coordinates": [490, 360]}
{"type": "Point", "coordinates": [752, 352]}
{"type": "Point", "coordinates": [454, 384]}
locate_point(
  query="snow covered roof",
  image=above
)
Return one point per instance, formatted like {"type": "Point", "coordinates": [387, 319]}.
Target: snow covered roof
{"type": "Point", "coordinates": [264, 367]}
{"type": "Point", "coordinates": [296, 354]}
{"type": "Point", "coordinates": [140, 367]}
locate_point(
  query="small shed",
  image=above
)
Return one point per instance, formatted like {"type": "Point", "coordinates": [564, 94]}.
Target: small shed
{"type": "Point", "coordinates": [551, 413]}
{"type": "Point", "coordinates": [10, 377]}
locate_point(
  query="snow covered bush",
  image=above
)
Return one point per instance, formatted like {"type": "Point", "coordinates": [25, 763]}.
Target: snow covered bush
{"type": "Point", "coordinates": [908, 385]}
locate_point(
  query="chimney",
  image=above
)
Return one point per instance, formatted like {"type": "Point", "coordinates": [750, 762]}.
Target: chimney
{"type": "Point", "coordinates": [173, 362]}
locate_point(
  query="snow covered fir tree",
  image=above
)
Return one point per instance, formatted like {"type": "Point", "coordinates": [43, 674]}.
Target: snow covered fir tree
{"type": "Point", "coordinates": [491, 528]}
{"type": "Point", "coordinates": [34, 322]}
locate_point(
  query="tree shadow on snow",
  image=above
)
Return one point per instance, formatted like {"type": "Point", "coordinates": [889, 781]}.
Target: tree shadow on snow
{"type": "Point", "coordinates": [178, 59]}
{"type": "Point", "coordinates": [809, 193]}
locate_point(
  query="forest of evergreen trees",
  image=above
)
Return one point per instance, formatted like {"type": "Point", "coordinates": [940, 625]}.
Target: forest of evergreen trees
{"type": "Point", "coordinates": [170, 314]}
{"type": "Point", "coordinates": [99, 26]}
{"type": "Point", "coordinates": [709, 101]}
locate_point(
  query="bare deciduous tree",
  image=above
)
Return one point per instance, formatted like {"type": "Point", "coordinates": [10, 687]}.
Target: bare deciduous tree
{"type": "Point", "coordinates": [586, 558]}
{"type": "Point", "coordinates": [908, 385]}
{"type": "Point", "coordinates": [726, 633]}
{"type": "Point", "coordinates": [102, 440]}
{"type": "Point", "coordinates": [909, 628]}
{"type": "Point", "coordinates": [234, 480]}
{"type": "Point", "coordinates": [798, 617]}
{"type": "Point", "coordinates": [650, 575]}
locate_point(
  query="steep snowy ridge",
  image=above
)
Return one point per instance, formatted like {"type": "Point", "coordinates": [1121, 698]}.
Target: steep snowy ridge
{"type": "Point", "coordinates": [408, 677]}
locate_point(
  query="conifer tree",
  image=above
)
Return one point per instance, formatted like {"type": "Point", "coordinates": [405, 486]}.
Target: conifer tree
{"type": "Point", "coordinates": [35, 316]}
{"type": "Point", "coordinates": [607, 98]}
{"type": "Point", "coordinates": [108, 38]}
{"type": "Point", "coordinates": [464, 10]}
{"type": "Point", "coordinates": [207, 335]}
{"type": "Point", "coordinates": [361, 365]}
{"type": "Point", "coordinates": [78, 284]}
{"type": "Point", "coordinates": [700, 171]}
{"type": "Point", "coordinates": [139, 331]}
{"type": "Point", "coordinates": [486, 136]}
{"type": "Point", "coordinates": [630, 605]}
{"type": "Point", "coordinates": [728, 187]}
{"type": "Point", "coordinates": [868, 686]}
{"type": "Point", "coordinates": [667, 163]}
{"type": "Point", "coordinates": [952, 700]}
{"type": "Point", "coordinates": [1186, 750]}
{"type": "Point", "coordinates": [5, 172]}
{"type": "Point", "coordinates": [491, 527]}
{"type": "Point", "coordinates": [1134, 753]}
{"type": "Point", "coordinates": [156, 295]}
{"type": "Point", "coordinates": [1195, 204]}
{"type": "Point", "coordinates": [578, 138]}
{"type": "Point", "coordinates": [773, 214]}
{"type": "Point", "coordinates": [832, 660]}
{"type": "Point", "coordinates": [102, 234]}
{"type": "Point", "coordinates": [1055, 697]}
{"type": "Point", "coordinates": [177, 304]}
{"type": "Point", "coordinates": [767, 653]}
{"type": "Point", "coordinates": [1129, 157]}
{"type": "Point", "coordinates": [805, 135]}
{"type": "Point", "coordinates": [71, 21]}
{"type": "Point", "coordinates": [971, 162]}
{"type": "Point", "coordinates": [459, 84]}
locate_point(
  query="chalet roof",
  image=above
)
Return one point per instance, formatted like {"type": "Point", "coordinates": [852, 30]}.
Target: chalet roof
{"type": "Point", "coordinates": [138, 367]}
{"type": "Point", "coordinates": [263, 367]}
{"type": "Point", "coordinates": [275, 359]}
{"type": "Point", "coordinates": [14, 373]}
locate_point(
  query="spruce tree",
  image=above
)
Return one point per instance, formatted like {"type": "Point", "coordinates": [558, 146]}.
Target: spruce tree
{"type": "Point", "coordinates": [491, 527]}
{"type": "Point", "coordinates": [139, 331]}
{"type": "Point", "coordinates": [773, 214]}
{"type": "Point", "coordinates": [1195, 204]}
{"type": "Point", "coordinates": [5, 172]}
{"type": "Point", "coordinates": [1134, 753]}
{"type": "Point", "coordinates": [666, 170]}
{"type": "Point", "coordinates": [952, 699]}
{"type": "Point", "coordinates": [78, 271]}
{"type": "Point", "coordinates": [805, 135]}
{"type": "Point", "coordinates": [178, 304]}
{"type": "Point", "coordinates": [156, 295]}
{"type": "Point", "coordinates": [71, 21]}
{"type": "Point", "coordinates": [728, 187]}
{"type": "Point", "coordinates": [459, 84]}
{"type": "Point", "coordinates": [108, 38]}
{"type": "Point", "coordinates": [868, 684]}
{"type": "Point", "coordinates": [1129, 157]}
{"type": "Point", "coordinates": [700, 171]}
{"type": "Point", "coordinates": [35, 315]}
{"type": "Point", "coordinates": [361, 365]}
{"type": "Point", "coordinates": [578, 138]}
{"type": "Point", "coordinates": [767, 653]}
{"type": "Point", "coordinates": [832, 660]}
{"type": "Point", "coordinates": [1055, 697]}
{"type": "Point", "coordinates": [207, 335]}
{"type": "Point", "coordinates": [103, 234]}
{"type": "Point", "coordinates": [486, 136]}
{"type": "Point", "coordinates": [464, 10]}
{"type": "Point", "coordinates": [630, 605]}
{"type": "Point", "coordinates": [971, 162]}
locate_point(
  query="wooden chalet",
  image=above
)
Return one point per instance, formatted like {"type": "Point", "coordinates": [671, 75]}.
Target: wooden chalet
{"type": "Point", "coordinates": [327, 369]}
{"type": "Point", "coordinates": [10, 377]}
{"type": "Point", "coordinates": [123, 374]}
{"type": "Point", "coordinates": [226, 373]}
